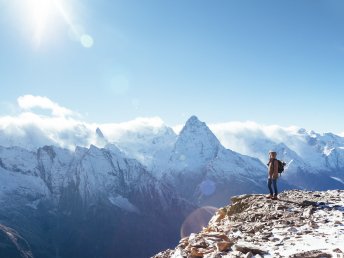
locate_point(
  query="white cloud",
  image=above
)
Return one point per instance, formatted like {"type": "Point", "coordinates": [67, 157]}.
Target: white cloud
{"type": "Point", "coordinates": [32, 128]}
{"type": "Point", "coordinates": [114, 131]}
{"type": "Point", "coordinates": [29, 102]}
{"type": "Point", "coordinates": [177, 128]}
{"type": "Point", "coordinates": [240, 136]}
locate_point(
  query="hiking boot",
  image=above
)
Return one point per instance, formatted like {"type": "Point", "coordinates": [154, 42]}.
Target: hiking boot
{"type": "Point", "coordinates": [269, 196]}
{"type": "Point", "coordinates": [274, 197]}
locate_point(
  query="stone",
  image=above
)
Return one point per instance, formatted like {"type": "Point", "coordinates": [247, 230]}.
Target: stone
{"type": "Point", "coordinates": [236, 254]}
{"type": "Point", "coordinates": [236, 208]}
{"type": "Point", "coordinates": [308, 203]}
{"type": "Point", "coordinates": [197, 242]}
{"type": "Point", "coordinates": [199, 252]}
{"type": "Point", "coordinates": [213, 255]}
{"type": "Point", "coordinates": [254, 226]}
{"type": "Point", "coordinates": [217, 235]}
{"type": "Point", "coordinates": [222, 246]}
{"type": "Point", "coordinates": [165, 254]}
{"type": "Point", "coordinates": [248, 255]}
{"type": "Point", "coordinates": [312, 254]}
{"type": "Point", "coordinates": [220, 214]}
{"type": "Point", "coordinates": [238, 198]}
{"type": "Point", "coordinates": [246, 247]}
{"type": "Point", "coordinates": [337, 250]}
{"type": "Point", "coordinates": [308, 212]}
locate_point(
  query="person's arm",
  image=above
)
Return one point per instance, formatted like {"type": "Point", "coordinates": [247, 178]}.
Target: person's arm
{"type": "Point", "coordinates": [270, 165]}
{"type": "Point", "coordinates": [275, 167]}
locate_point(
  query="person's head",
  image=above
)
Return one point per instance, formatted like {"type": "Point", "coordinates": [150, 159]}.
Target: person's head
{"type": "Point", "coordinates": [272, 154]}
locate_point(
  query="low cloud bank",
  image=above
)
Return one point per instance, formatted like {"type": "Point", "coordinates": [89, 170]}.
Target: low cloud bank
{"type": "Point", "coordinates": [239, 135]}
{"type": "Point", "coordinates": [41, 121]}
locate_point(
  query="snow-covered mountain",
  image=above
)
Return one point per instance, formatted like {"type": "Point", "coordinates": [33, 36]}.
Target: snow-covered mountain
{"type": "Point", "coordinates": [205, 172]}
{"type": "Point", "coordinates": [151, 146]}
{"type": "Point", "coordinates": [151, 142]}
{"type": "Point", "coordinates": [314, 160]}
{"type": "Point", "coordinates": [313, 148]}
{"type": "Point", "coordinates": [143, 181]}
{"type": "Point", "coordinates": [94, 195]}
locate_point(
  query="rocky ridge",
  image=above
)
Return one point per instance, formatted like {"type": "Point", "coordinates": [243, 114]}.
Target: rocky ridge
{"type": "Point", "coordinates": [95, 196]}
{"type": "Point", "coordinates": [300, 224]}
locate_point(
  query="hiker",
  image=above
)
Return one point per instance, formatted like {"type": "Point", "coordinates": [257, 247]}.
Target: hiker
{"type": "Point", "coordinates": [272, 175]}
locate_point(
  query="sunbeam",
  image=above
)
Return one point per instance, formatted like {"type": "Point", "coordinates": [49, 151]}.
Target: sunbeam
{"type": "Point", "coordinates": [43, 19]}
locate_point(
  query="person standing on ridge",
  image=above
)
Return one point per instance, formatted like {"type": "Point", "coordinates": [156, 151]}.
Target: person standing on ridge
{"type": "Point", "coordinates": [272, 175]}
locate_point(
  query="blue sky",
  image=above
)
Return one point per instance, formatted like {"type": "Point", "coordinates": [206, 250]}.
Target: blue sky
{"type": "Point", "coordinates": [272, 62]}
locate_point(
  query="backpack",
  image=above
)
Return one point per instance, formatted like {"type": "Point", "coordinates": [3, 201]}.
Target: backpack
{"type": "Point", "coordinates": [281, 165]}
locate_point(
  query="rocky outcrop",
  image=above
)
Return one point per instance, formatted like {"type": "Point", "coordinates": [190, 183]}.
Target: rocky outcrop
{"type": "Point", "coordinates": [300, 224]}
{"type": "Point", "coordinates": [12, 244]}
{"type": "Point", "coordinates": [102, 200]}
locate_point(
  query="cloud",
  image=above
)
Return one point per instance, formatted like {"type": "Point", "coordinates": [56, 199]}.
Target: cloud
{"type": "Point", "coordinates": [253, 130]}
{"type": "Point", "coordinates": [177, 128]}
{"type": "Point", "coordinates": [242, 136]}
{"type": "Point", "coordinates": [31, 127]}
{"type": "Point", "coordinates": [144, 125]}
{"type": "Point", "coordinates": [29, 102]}
{"type": "Point", "coordinates": [31, 130]}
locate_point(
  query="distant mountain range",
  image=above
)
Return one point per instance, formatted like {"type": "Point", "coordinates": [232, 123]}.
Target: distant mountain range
{"type": "Point", "coordinates": [129, 197]}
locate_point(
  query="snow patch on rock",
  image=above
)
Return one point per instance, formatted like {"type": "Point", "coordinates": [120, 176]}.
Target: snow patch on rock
{"type": "Point", "coordinates": [123, 203]}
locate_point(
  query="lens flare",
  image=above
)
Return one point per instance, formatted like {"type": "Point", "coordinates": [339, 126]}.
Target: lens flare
{"type": "Point", "coordinates": [207, 187]}
{"type": "Point", "coordinates": [197, 220]}
{"type": "Point", "coordinates": [86, 41]}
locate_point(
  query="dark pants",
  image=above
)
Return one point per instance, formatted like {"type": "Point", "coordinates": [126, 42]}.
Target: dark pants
{"type": "Point", "coordinates": [274, 183]}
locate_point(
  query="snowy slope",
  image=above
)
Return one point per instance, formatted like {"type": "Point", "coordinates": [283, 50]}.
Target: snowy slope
{"type": "Point", "coordinates": [195, 151]}
{"type": "Point", "coordinates": [203, 171]}
{"type": "Point", "coordinates": [151, 147]}
{"type": "Point", "coordinates": [301, 224]}
{"type": "Point", "coordinates": [195, 146]}
{"type": "Point", "coordinates": [311, 148]}
{"type": "Point", "coordinates": [54, 192]}
{"type": "Point", "coordinates": [94, 173]}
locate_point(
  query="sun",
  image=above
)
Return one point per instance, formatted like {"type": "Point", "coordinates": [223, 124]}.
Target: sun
{"type": "Point", "coordinates": [42, 20]}
{"type": "Point", "coordinates": [41, 15]}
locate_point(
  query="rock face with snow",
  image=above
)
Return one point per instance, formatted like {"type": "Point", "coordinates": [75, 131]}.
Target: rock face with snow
{"type": "Point", "coordinates": [299, 224]}
{"type": "Point", "coordinates": [143, 184]}
{"type": "Point", "coordinates": [13, 245]}
{"type": "Point", "coordinates": [206, 173]}
{"type": "Point", "coordinates": [314, 160]}
{"type": "Point", "coordinates": [103, 200]}
{"type": "Point", "coordinates": [151, 147]}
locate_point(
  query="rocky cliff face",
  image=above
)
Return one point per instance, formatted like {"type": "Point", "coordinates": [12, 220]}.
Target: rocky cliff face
{"type": "Point", "coordinates": [12, 244]}
{"type": "Point", "coordinates": [299, 224]}
{"type": "Point", "coordinates": [102, 200]}
{"type": "Point", "coordinates": [205, 173]}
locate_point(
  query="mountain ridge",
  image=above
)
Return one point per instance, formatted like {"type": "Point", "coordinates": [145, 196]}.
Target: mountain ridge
{"type": "Point", "coordinates": [153, 176]}
{"type": "Point", "coordinates": [91, 193]}
{"type": "Point", "coordinates": [299, 224]}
